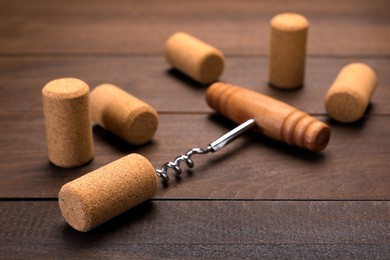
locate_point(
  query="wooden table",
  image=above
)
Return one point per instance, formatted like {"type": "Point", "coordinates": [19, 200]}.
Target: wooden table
{"type": "Point", "coordinates": [257, 198]}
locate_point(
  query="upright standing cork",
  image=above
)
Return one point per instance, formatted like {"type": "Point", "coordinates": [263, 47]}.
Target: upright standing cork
{"type": "Point", "coordinates": [288, 50]}
{"type": "Point", "coordinates": [68, 122]}
{"type": "Point", "coordinates": [350, 94]}
{"type": "Point", "coordinates": [107, 192]}
{"type": "Point", "coordinates": [273, 118]}
{"type": "Point", "coordinates": [123, 114]}
{"type": "Point", "coordinates": [194, 57]}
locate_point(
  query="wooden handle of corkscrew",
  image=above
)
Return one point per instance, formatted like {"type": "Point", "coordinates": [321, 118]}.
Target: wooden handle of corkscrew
{"type": "Point", "coordinates": [273, 118]}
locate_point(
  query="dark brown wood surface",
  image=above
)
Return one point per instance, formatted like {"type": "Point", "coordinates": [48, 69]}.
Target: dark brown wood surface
{"type": "Point", "coordinates": [257, 198]}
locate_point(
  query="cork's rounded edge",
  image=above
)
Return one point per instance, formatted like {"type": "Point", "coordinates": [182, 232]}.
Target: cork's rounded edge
{"type": "Point", "coordinates": [363, 70]}
{"type": "Point", "coordinates": [359, 66]}
{"type": "Point", "coordinates": [103, 88]}
{"type": "Point", "coordinates": [289, 22]}
{"type": "Point", "coordinates": [169, 43]}
{"type": "Point", "coordinates": [142, 123]}
{"type": "Point", "coordinates": [278, 85]}
{"type": "Point", "coordinates": [56, 89]}
{"type": "Point", "coordinates": [73, 208]}
{"type": "Point", "coordinates": [151, 170]}
{"type": "Point", "coordinates": [172, 38]}
{"type": "Point", "coordinates": [345, 106]}
{"type": "Point", "coordinates": [98, 100]}
{"type": "Point", "coordinates": [211, 67]}
{"type": "Point", "coordinates": [94, 92]}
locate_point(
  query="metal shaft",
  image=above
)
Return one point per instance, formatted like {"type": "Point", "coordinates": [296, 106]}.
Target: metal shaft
{"type": "Point", "coordinates": [212, 147]}
{"type": "Point", "coordinates": [233, 134]}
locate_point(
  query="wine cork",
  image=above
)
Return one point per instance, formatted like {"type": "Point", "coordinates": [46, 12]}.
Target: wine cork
{"type": "Point", "coordinates": [102, 194]}
{"type": "Point", "coordinates": [193, 57]}
{"type": "Point", "coordinates": [273, 118]}
{"type": "Point", "coordinates": [288, 50]}
{"type": "Point", "coordinates": [123, 114]}
{"type": "Point", "coordinates": [68, 122]}
{"type": "Point", "coordinates": [347, 99]}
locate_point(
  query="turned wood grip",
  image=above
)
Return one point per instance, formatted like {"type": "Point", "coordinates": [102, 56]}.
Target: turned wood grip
{"type": "Point", "coordinates": [273, 118]}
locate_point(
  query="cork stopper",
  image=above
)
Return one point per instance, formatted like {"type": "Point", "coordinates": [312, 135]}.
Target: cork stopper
{"type": "Point", "coordinates": [123, 114]}
{"type": "Point", "coordinates": [68, 122]}
{"type": "Point", "coordinates": [274, 118]}
{"type": "Point", "coordinates": [288, 42]}
{"type": "Point", "coordinates": [193, 57]}
{"type": "Point", "coordinates": [347, 99]}
{"type": "Point", "coordinates": [102, 194]}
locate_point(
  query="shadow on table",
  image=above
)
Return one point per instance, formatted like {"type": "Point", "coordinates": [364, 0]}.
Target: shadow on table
{"type": "Point", "coordinates": [186, 79]}
{"type": "Point", "coordinates": [108, 139]}
{"type": "Point", "coordinates": [124, 227]}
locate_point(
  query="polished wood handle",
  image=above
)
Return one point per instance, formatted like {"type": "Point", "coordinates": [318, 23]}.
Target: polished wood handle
{"type": "Point", "coordinates": [273, 118]}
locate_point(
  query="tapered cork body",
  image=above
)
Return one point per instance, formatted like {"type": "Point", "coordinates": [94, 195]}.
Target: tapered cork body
{"type": "Point", "coordinates": [68, 122]}
{"type": "Point", "coordinates": [273, 118]}
{"type": "Point", "coordinates": [123, 114]}
{"type": "Point", "coordinates": [193, 57]}
{"type": "Point", "coordinates": [347, 99]}
{"type": "Point", "coordinates": [100, 195]}
{"type": "Point", "coordinates": [288, 50]}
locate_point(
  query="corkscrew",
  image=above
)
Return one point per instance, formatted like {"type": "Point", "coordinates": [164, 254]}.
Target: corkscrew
{"type": "Point", "coordinates": [211, 148]}
{"type": "Point", "coordinates": [118, 186]}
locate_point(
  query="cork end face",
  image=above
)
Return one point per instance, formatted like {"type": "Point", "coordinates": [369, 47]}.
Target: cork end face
{"type": "Point", "coordinates": [73, 209]}
{"type": "Point", "coordinates": [345, 107]}
{"type": "Point", "coordinates": [211, 67]}
{"type": "Point", "coordinates": [143, 123]}
{"type": "Point", "coordinates": [289, 22]}
{"type": "Point", "coordinates": [65, 88]}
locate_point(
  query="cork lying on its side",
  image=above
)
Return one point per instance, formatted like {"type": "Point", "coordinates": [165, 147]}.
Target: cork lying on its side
{"type": "Point", "coordinates": [107, 192]}
{"type": "Point", "coordinates": [351, 92]}
{"type": "Point", "coordinates": [68, 122]}
{"type": "Point", "coordinates": [123, 114]}
{"type": "Point", "coordinates": [194, 57]}
{"type": "Point", "coordinates": [288, 50]}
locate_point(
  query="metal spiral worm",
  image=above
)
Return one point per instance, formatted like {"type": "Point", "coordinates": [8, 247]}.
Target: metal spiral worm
{"type": "Point", "coordinates": [212, 147]}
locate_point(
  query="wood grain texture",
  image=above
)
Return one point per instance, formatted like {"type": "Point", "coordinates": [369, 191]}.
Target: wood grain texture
{"type": "Point", "coordinates": [152, 80]}
{"type": "Point", "coordinates": [235, 28]}
{"type": "Point", "coordinates": [273, 118]}
{"type": "Point", "coordinates": [352, 167]}
{"type": "Point", "coordinates": [204, 229]}
{"type": "Point", "coordinates": [256, 198]}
